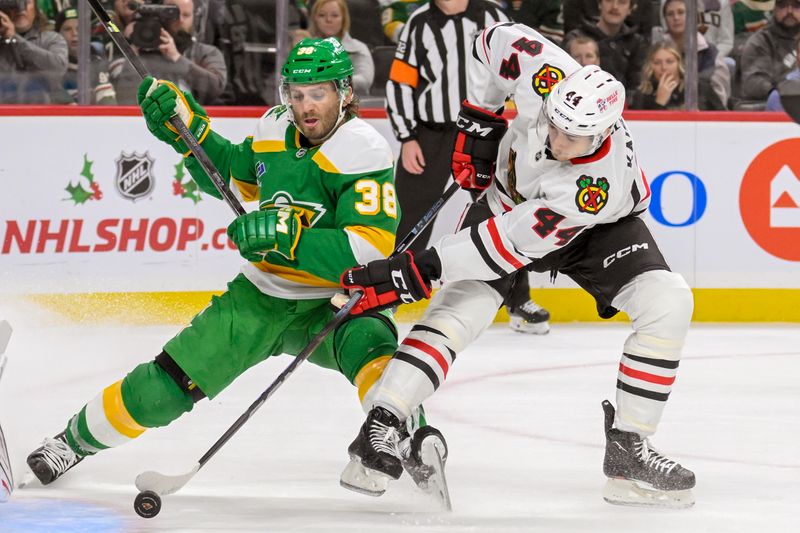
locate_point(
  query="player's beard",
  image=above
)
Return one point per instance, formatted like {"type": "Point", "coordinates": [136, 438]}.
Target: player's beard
{"type": "Point", "coordinates": [325, 123]}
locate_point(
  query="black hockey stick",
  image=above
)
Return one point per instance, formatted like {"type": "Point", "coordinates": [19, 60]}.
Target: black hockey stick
{"type": "Point", "coordinates": [198, 152]}
{"type": "Point", "coordinates": [162, 484]}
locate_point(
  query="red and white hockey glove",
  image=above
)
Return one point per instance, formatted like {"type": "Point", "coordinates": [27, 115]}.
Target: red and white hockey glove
{"type": "Point", "coordinates": [479, 134]}
{"type": "Point", "coordinates": [394, 281]}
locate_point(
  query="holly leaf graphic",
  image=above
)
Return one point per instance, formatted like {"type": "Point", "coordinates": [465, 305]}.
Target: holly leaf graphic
{"type": "Point", "coordinates": [179, 173]}
{"type": "Point", "coordinates": [87, 169]}
{"type": "Point", "coordinates": [191, 191]}
{"type": "Point", "coordinates": [78, 194]}
{"type": "Point", "coordinates": [188, 189]}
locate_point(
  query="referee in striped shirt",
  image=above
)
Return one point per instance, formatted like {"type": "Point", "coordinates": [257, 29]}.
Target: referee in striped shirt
{"type": "Point", "coordinates": [427, 83]}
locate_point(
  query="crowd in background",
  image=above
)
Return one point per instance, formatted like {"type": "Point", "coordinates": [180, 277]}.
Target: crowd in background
{"type": "Point", "coordinates": [224, 50]}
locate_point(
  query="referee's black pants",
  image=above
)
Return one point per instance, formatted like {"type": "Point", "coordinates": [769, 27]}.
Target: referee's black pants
{"type": "Point", "coordinates": [416, 193]}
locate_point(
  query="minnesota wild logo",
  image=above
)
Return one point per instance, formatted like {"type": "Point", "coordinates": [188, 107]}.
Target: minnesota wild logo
{"type": "Point", "coordinates": [591, 197]}
{"type": "Point", "coordinates": [312, 211]}
{"type": "Point", "coordinates": [77, 193]}
{"type": "Point", "coordinates": [185, 189]}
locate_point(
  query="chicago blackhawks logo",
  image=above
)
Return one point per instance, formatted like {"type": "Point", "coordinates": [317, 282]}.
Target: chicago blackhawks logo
{"type": "Point", "coordinates": [77, 193]}
{"type": "Point", "coordinates": [591, 197]}
{"type": "Point", "coordinates": [134, 175]}
{"type": "Point", "coordinates": [544, 80]}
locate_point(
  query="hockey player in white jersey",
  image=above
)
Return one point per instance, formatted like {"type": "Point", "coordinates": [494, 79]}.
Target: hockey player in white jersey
{"type": "Point", "coordinates": [566, 193]}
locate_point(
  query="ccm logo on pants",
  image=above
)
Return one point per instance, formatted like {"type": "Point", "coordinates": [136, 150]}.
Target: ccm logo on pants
{"type": "Point", "coordinates": [622, 253]}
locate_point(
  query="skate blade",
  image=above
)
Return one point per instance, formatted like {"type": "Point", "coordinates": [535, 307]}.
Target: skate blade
{"type": "Point", "coordinates": [520, 326]}
{"type": "Point", "coordinates": [638, 494]}
{"type": "Point", "coordinates": [358, 478]}
{"type": "Point", "coordinates": [432, 455]}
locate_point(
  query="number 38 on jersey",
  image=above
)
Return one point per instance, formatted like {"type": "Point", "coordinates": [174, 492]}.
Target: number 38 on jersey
{"type": "Point", "coordinates": [376, 197]}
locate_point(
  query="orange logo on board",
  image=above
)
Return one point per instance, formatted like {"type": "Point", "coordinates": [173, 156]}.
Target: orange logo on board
{"type": "Point", "coordinates": [769, 199]}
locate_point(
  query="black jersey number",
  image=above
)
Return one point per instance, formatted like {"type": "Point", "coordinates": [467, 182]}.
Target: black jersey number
{"type": "Point", "coordinates": [509, 68]}
{"type": "Point", "coordinates": [547, 222]}
{"type": "Point", "coordinates": [530, 47]}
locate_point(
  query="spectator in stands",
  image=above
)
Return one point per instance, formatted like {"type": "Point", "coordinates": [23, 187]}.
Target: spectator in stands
{"type": "Point", "coordinates": [774, 99]}
{"type": "Point", "coordinates": [749, 16]}
{"type": "Point", "coordinates": [622, 49]}
{"type": "Point", "coordinates": [32, 60]}
{"type": "Point", "coordinates": [770, 53]}
{"type": "Point", "coordinates": [51, 8]}
{"type": "Point", "coordinates": [123, 11]}
{"type": "Point", "coordinates": [542, 15]}
{"type": "Point", "coordinates": [177, 57]}
{"type": "Point", "coordinates": [584, 50]}
{"type": "Point", "coordinates": [710, 66]}
{"type": "Point", "coordinates": [331, 18]}
{"type": "Point", "coordinates": [715, 23]}
{"type": "Point", "coordinates": [394, 15]}
{"type": "Point", "coordinates": [102, 90]}
{"type": "Point", "coordinates": [663, 81]}
{"type": "Point", "coordinates": [579, 13]}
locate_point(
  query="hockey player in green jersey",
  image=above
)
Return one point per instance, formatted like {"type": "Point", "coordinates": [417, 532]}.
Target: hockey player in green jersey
{"type": "Point", "coordinates": [324, 184]}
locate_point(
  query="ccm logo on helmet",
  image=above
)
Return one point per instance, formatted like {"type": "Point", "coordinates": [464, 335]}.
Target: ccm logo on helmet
{"type": "Point", "coordinates": [622, 253]}
{"type": "Point", "coordinates": [469, 126]}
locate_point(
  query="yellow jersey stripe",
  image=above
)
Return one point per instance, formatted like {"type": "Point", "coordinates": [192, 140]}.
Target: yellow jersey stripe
{"type": "Point", "coordinates": [297, 276]}
{"type": "Point", "coordinates": [324, 163]}
{"type": "Point", "coordinates": [381, 239]}
{"type": "Point", "coordinates": [261, 147]}
{"type": "Point", "coordinates": [250, 191]}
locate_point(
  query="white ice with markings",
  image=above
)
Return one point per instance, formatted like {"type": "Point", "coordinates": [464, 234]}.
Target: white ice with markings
{"type": "Point", "coordinates": [521, 414]}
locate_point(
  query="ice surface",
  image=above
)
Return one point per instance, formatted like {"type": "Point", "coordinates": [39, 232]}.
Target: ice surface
{"type": "Point", "coordinates": [522, 417]}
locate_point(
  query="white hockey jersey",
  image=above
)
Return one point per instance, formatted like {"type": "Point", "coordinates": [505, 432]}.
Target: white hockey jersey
{"type": "Point", "coordinates": [540, 204]}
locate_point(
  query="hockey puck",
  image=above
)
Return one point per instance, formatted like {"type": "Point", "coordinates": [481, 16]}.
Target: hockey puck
{"type": "Point", "coordinates": [147, 504]}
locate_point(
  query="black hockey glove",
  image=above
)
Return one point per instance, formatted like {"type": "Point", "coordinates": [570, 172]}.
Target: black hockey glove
{"type": "Point", "coordinates": [389, 282]}
{"type": "Point", "coordinates": [479, 134]}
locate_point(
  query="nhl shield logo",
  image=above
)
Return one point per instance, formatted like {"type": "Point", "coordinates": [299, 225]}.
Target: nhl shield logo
{"type": "Point", "coordinates": [134, 175]}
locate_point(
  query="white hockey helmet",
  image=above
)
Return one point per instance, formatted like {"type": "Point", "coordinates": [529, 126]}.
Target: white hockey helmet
{"type": "Point", "coordinates": [586, 103]}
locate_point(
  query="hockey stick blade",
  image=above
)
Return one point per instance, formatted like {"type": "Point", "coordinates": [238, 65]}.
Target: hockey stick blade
{"type": "Point", "coordinates": [162, 484]}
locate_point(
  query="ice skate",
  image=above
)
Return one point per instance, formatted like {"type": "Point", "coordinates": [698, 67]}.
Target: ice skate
{"type": "Point", "coordinates": [52, 459]}
{"type": "Point", "coordinates": [530, 318]}
{"type": "Point", "coordinates": [639, 475]}
{"type": "Point", "coordinates": [425, 463]}
{"type": "Point", "coordinates": [375, 454]}
{"type": "Point", "coordinates": [385, 447]}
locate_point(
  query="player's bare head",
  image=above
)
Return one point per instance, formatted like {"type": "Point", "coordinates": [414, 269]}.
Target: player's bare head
{"type": "Point", "coordinates": [580, 112]}
{"type": "Point", "coordinates": [317, 87]}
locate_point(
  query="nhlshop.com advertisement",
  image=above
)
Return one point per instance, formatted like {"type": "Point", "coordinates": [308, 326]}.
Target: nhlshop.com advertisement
{"type": "Point", "coordinates": [96, 204]}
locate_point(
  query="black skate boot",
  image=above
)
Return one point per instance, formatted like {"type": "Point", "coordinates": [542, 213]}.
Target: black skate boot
{"type": "Point", "coordinates": [640, 475]}
{"type": "Point", "coordinates": [424, 462]}
{"type": "Point", "coordinates": [52, 459]}
{"type": "Point", "coordinates": [529, 317]}
{"type": "Point", "coordinates": [375, 454]}
{"type": "Point", "coordinates": [384, 447]}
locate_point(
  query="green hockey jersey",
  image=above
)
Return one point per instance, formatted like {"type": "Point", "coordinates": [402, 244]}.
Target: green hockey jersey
{"type": "Point", "coordinates": [345, 188]}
